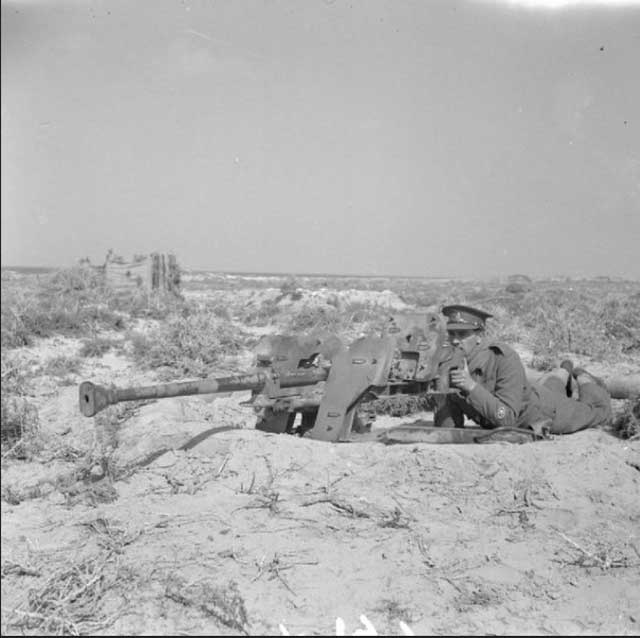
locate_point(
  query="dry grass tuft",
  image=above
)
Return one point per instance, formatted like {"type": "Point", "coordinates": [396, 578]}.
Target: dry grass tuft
{"type": "Point", "coordinates": [19, 422]}
{"type": "Point", "coordinates": [92, 494]}
{"type": "Point", "coordinates": [627, 424]}
{"type": "Point", "coordinates": [110, 535]}
{"type": "Point", "coordinates": [188, 345]}
{"type": "Point", "coordinates": [97, 346]}
{"type": "Point", "coordinates": [396, 519]}
{"type": "Point", "coordinates": [602, 556]}
{"type": "Point", "coordinates": [309, 319]}
{"type": "Point", "coordinates": [60, 366]}
{"type": "Point", "coordinates": [20, 428]}
{"type": "Point", "coordinates": [224, 604]}
{"type": "Point", "coordinates": [70, 601]}
{"type": "Point", "coordinates": [394, 610]}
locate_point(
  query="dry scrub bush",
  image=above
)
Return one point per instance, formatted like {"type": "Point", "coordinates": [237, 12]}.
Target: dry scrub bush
{"type": "Point", "coordinates": [60, 366]}
{"type": "Point", "coordinates": [83, 470]}
{"type": "Point", "coordinates": [16, 308]}
{"type": "Point", "coordinates": [584, 320]}
{"type": "Point", "coordinates": [627, 424]}
{"type": "Point", "coordinates": [265, 314]}
{"type": "Point", "coordinates": [426, 294]}
{"type": "Point", "coordinates": [20, 428]}
{"type": "Point", "coordinates": [190, 345]}
{"type": "Point", "coordinates": [149, 305]}
{"type": "Point", "coordinates": [314, 318]}
{"type": "Point", "coordinates": [70, 601]}
{"type": "Point", "coordinates": [73, 302]}
{"type": "Point", "coordinates": [68, 302]}
{"type": "Point", "coordinates": [97, 346]}
{"type": "Point", "coordinates": [19, 424]}
{"type": "Point", "coordinates": [223, 603]}
{"type": "Point", "coordinates": [290, 287]}
{"type": "Point", "coordinates": [219, 310]}
{"type": "Point", "coordinates": [365, 319]}
{"type": "Point", "coordinates": [346, 322]}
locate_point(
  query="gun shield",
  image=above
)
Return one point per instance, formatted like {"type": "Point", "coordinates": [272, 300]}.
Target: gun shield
{"type": "Point", "coordinates": [364, 365]}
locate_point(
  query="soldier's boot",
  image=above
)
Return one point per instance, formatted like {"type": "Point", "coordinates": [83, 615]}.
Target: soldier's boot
{"type": "Point", "coordinates": [582, 376]}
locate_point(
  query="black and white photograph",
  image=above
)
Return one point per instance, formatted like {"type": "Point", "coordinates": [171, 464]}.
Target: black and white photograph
{"type": "Point", "coordinates": [320, 317]}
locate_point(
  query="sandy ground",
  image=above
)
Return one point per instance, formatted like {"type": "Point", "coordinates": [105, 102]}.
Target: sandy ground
{"type": "Point", "coordinates": [252, 533]}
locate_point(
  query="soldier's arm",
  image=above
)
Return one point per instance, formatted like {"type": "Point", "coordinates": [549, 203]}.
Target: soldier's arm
{"type": "Point", "coordinates": [503, 406]}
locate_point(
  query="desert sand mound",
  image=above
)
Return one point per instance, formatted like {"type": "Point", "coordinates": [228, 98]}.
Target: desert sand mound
{"type": "Point", "coordinates": [245, 531]}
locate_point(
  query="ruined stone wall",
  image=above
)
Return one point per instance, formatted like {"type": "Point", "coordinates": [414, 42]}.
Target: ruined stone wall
{"type": "Point", "coordinates": [152, 272]}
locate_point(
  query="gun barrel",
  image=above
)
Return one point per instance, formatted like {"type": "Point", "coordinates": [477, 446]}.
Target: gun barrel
{"type": "Point", "coordinates": [94, 398]}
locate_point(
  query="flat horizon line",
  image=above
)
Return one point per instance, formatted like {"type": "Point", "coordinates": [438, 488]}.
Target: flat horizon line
{"type": "Point", "coordinates": [247, 273]}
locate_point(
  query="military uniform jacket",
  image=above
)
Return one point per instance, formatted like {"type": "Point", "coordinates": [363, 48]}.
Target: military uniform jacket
{"type": "Point", "coordinates": [502, 395]}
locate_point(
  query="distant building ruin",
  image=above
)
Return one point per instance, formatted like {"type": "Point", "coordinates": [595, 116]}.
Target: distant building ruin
{"type": "Point", "coordinates": [152, 273]}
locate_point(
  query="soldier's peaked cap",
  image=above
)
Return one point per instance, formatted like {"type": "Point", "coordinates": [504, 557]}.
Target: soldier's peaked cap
{"type": "Point", "coordinates": [464, 317]}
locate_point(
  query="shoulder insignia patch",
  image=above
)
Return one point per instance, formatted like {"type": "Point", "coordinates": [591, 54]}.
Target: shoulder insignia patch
{"type": "Point", "coordinates": [501, 412]}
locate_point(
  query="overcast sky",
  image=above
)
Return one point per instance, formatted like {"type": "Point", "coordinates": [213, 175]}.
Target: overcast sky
{"type": "Point", "coordinates": [432, 138]}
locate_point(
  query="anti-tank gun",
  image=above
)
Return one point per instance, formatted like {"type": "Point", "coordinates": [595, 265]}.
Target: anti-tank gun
{"type": "Point", "coordinates": [313, 385]}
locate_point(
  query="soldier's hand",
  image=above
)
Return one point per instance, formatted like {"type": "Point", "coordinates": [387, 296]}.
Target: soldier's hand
{"type": "Point", "coordinates": [461, 378]}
